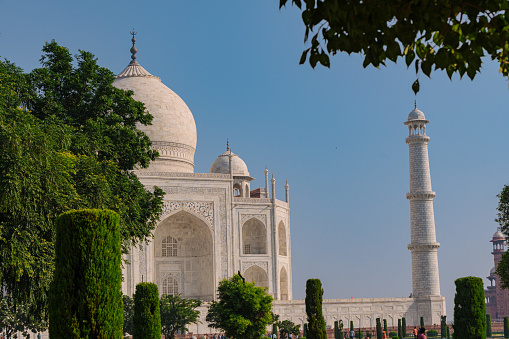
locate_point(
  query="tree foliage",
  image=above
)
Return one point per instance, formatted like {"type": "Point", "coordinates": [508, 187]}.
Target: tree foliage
{"type": "Point", "coordinates": [177, 313]}
{"type": "Point", "coordinates": [68, 140]}
{"type": "Point", "coordinates": [128, 303]}
{"type": "Point", "coordinates": [86, 292]}
{"type": "Point", "coordinates": [433, 35]}
{"type": "Point", "coordinates": [286, 327]}
{"type": "Point", "coordinates": [146, 317]}
{"type": "Point", "coordinates": [15, 317]}
{"type": "Point", "coordinates": [506, 327]}
{"type": "Point", "coordinates": [469, 309]}
{"type": "Point", "coordinates": [242, 311]}
{"type": "Point", "coordinates": [314, 298]}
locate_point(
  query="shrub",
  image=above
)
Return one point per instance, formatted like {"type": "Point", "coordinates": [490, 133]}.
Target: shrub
{"type": "Point", "coordinates": [469, 309]}
{"type": "Point", "coordinates": [488, 325]}
{"type": "Point", "coordinates": [393, 334]}
{"type": "Point", "coordinates": [432, 333]}
{"type": "Point", "coordinates": [146, 319]}
{"type": "Point", "coordinates": [314, 297]}
{"type": "Point", "coordinates": [85, 298]}
{"type": "Point", "coordinates": [395, 337]}
{"type": "Point", "coordinates": [358, 334]}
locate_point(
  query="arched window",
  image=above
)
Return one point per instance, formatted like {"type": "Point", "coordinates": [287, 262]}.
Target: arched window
{"type": "Point", "coordinates": [283, 284]}
{"type": "Point", "coordinates": [254, 237]}
{"type": "Point", "coordinates": [170, 286]}
{"type": "Point", "coordinates": [237, 190]}
{"type": "Point", "coordinates": [282, 239]}
{"type": "Point", "coordinates": [169, 247]}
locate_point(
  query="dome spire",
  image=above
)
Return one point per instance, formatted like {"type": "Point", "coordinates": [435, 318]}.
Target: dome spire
{"type": "Point", "coordinates": [133, 49]}
{"type": "Point", "coordinates": [415, 104]}
{"type": "Point", "coordinates": [227, 145]}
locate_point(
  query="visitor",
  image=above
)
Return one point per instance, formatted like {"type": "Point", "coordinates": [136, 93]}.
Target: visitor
{"type": "Point", "coordinates": [384, 335]}
{"type": "Point", "coordinates": [352, 334]}
{"type": "Point", "coordinates": [415, 332]}
{"type": "Point", "coordinates": [422, 333]}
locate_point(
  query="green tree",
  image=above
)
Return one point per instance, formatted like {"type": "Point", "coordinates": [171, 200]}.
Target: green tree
{"type": "Point", "coordinates": [68, 140]}
{"type": "Point", "coordinates": [351, 325]}
{"type": "Point", "coordinates": [305, 330]}
{"type": "Point", "coordinates": [147, 317]}
{"type": "Point", "coordinates": [86, 292]}
{"type": "Point", "coordinates": [469, 309]}
{"type": "Point", "coordinates": [274, 330]}
{"type": "Point", "coordinates": [422, 322]}
{"type": "Point", "coordinates": [443, 326]}
{"type": "Point", "coordinates": [128, 314]}
{"type": "Point", "coordinates": [338, 329]}
{"type": "Point", "coordinates": [400, 332]}
{"type": "Point", "coordinates": [403, 326]}
{"type": "Point", "coordinates": [488, 325]}
{"type": "Point", "coordinates": [15, 317]}
{"type": "Point", "coordinates": [177, 313]}
{"type": "Point", "coordinates": [287, 327]}
{"type": "Point", "coordinates": [242, 311]}
{"type": "Point", "coordinates": [385, 327]}
{"type": "Point", "coordinates": [506, 327]}
{"type": "Point", "coordinates": [314, 298]}
{"type": "Point", "coordinates": [442, 35]}
{"type": "Point", "coordinates": [378, 329]}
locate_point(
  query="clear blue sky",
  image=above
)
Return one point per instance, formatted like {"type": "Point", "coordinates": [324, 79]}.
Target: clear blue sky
{"type": "Point", "coordinates": [336, 134]}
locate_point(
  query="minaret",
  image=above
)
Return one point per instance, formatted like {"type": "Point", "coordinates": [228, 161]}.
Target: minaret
{"type": "Point", "coordinates": [423, 244]}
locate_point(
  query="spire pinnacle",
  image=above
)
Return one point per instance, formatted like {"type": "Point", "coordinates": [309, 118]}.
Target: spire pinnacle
{"type": "Point", "coordinates": [227, 145]}
{"type": "Point", "coordinates": [133, 49]}
{"type": "Point", "coordinates": [415, 104]}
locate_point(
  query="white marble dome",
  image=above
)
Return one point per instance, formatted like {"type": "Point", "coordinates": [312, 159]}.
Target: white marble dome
{"type": "Point", "coordinates": [222, 165]}
{"type": "Point", "coordinates": [498, 236]}
{"type": "Point", "coordinates": [173, 129]}
{"type": "Point", "coordinates": [416, 114]}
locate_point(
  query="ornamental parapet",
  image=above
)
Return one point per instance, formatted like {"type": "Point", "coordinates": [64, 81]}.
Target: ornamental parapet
{"type": "Point", "coordinates": [424, 247]}
{"type": "Point", "coordinates": [417, 138]}
{"type": "Point", "coordinates": [421, 195]}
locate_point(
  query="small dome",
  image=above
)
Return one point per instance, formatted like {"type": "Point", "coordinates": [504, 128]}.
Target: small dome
{"type": "Point", "coordinates": [492, 271]}
{"type": "Point", "coordinates": [498, 236]}
{"type": "Point", "coordinates": [416, 114]}
{"type": "Point", "coordinates": [222, 165]}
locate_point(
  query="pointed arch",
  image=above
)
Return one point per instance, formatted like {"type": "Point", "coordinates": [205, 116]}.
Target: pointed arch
{"type": "Point", "coordinates": [254, 237]}
{"type": "Point", "coordinates": [184, 247]}
{"type": "Point", "coordinates": [257, 275]}
{"type": "Point", "coordinates": [283, 248]}
{"type": "Point", "coordinates": [283, 284]}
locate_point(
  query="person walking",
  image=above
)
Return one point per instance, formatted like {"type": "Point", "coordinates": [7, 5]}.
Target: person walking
{"type": "Point", "coordinates": [422, 333]}
{"type": "Point", "coordinates": [415, 332]}
{"type": "Point", "coordinates": [352, 334]}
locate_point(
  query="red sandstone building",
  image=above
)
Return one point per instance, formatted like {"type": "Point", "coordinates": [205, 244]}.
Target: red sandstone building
{"type": "Point", "coordinates": [497, 299]}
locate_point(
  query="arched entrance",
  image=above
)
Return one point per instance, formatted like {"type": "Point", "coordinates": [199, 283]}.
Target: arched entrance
{"type": "Point", "coordinates": [257, 275]}
{"type": "Point", "coordinates": [282, 239]}
{"type": "Point", "coordinates": [184, 251]}
{"type": "Point", "coordinates": [254, 237]}
{"type": "Point", "coordinates": [283, 284]}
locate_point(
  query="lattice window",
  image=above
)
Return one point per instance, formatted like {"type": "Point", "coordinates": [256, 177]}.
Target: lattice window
{"type": "Point", "coordinates": [169, 247]}
{"type": "Point", "coordinates": [170, 286]}
{"type": "Point", "coordinates": [247, 249]}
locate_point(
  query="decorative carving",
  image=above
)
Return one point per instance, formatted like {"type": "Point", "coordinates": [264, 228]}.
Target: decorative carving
{"type": "Point", "coordinates": [183, 175]}
{"type": "Point", "coordinates": [203, 208]}
{"type": "Point", "coordinates": [421, 195]}
{"type": "Point", "coordinates": [262, 264]}
{"type": "Point", "coordinates": [221, 221]}
{"type": "Point", "coordinates": [417, 138]}
{"type": "Point", "coordinates": [252, 200]}
{"type": "Point", "coordinates": [246, 217]}
{"type": "Point", "coordinates": [174, 275]}
{"type": "Point", "coordinates": [143, 261]}
{"type": "Point", "coordinates": [423, 247]}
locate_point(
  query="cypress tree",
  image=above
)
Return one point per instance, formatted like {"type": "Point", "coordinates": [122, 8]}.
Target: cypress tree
{"type": "Point", "coordinates": [378, 329]}
{"type": "Point", "coordinates": [422, 322]}
{"type": "Point", "coordinates": [506, 327]}
{"type": "Point", "coordinates": [385, 327]}
{"type": "Point", "coordinates": [336, 329]}
{"type": "Point", "coordinates": [351, 325]}
{"type": "Point", "coordinates": [146, 319]}
{"type": "Point", "coordinates": [469, 309]}
{"type": "Point", "coordinates": [400, 332]}
{"type": "Point", "coordinates": [85, 298]}
{"type": "Point", "coordinates": [403, 326]}
{"type": "Point", "coordinates": [488, 325]}
{"type": "Point", "coordinates": [448, 332]}
{"type": "Point", "coordinates": [274, 330]}
{"type": "Point", "coordinates": [305, 330]}
{"type": "Point", "coordinates": [316, 322]}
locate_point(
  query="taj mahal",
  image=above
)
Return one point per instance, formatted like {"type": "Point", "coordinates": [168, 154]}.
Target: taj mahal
{"type": "Point", "coordinates": [219, 223]}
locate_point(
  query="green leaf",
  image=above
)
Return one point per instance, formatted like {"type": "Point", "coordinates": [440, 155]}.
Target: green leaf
{"type": "Point", "coordinates": [416, 86]}
{"type": "Point", "coordinates": [324, 59]}
{"type": "Point", "coordinates": [303, 57]}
